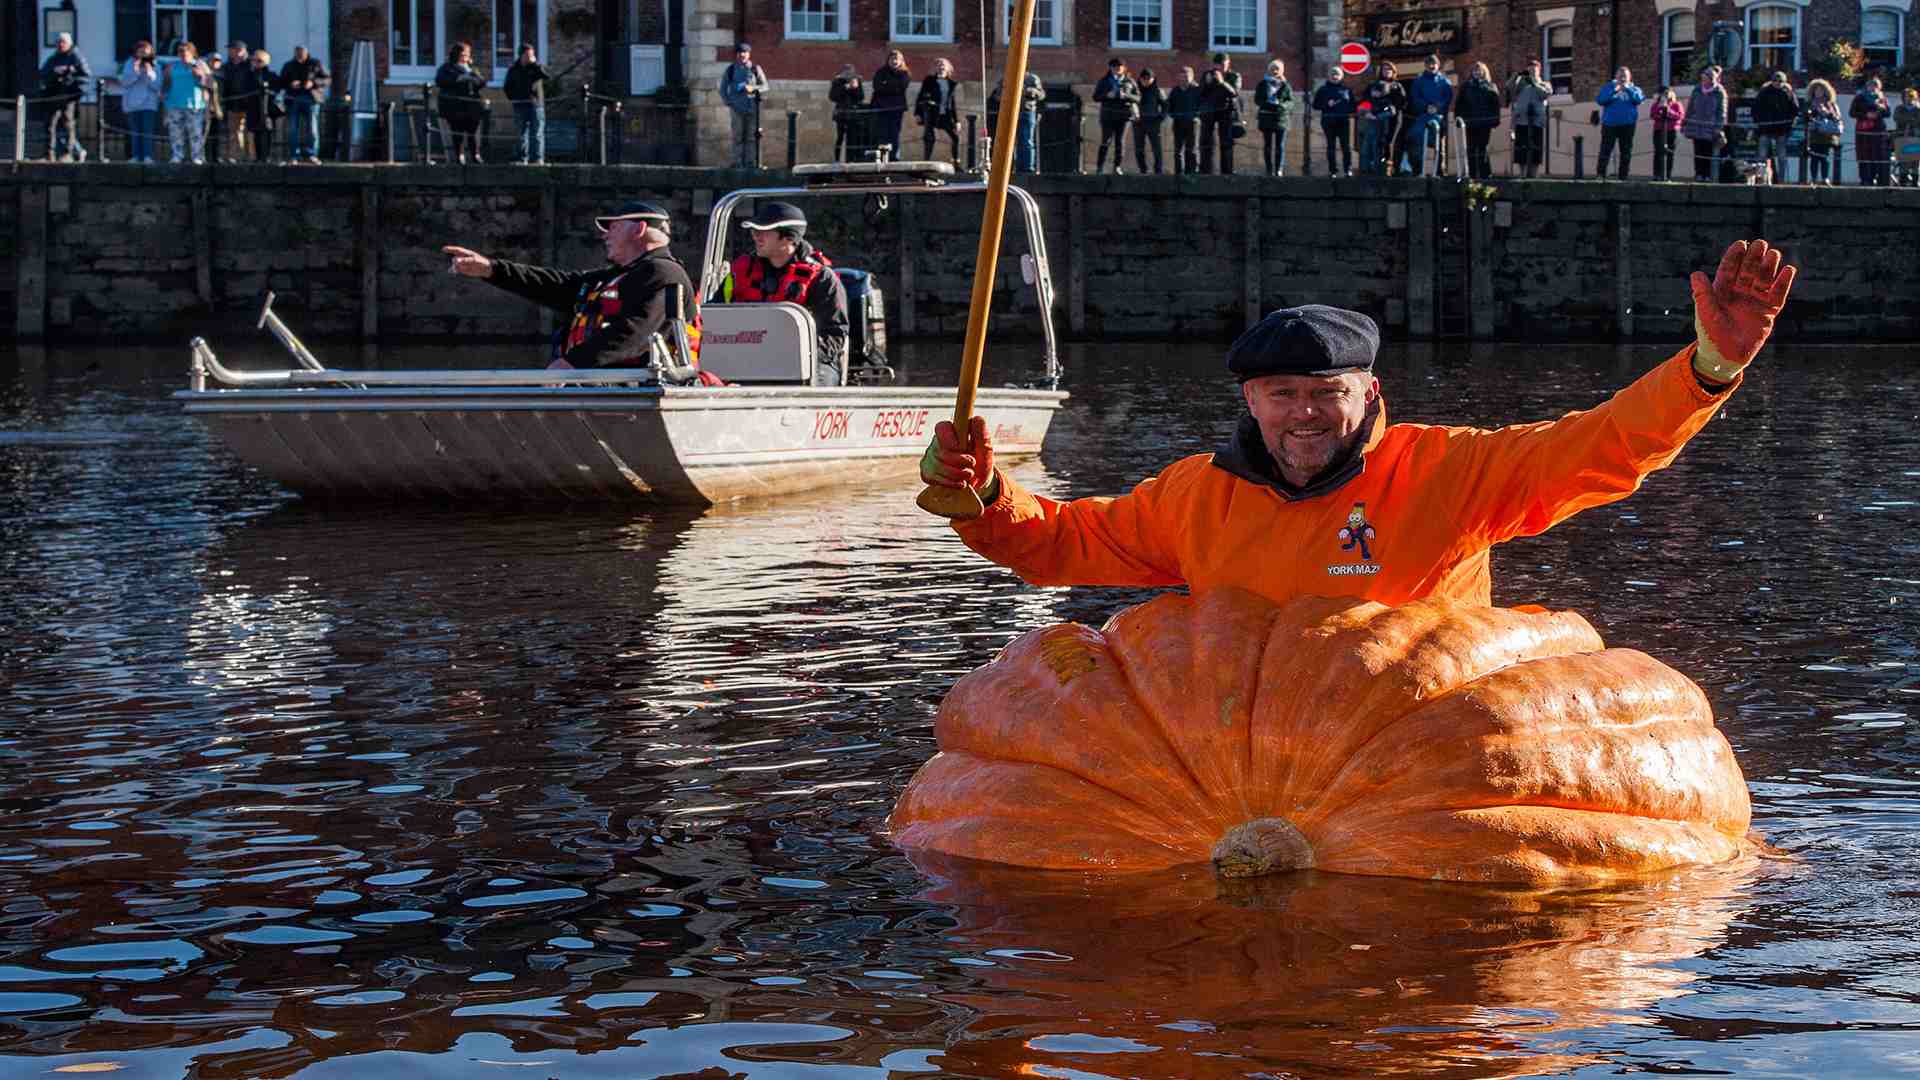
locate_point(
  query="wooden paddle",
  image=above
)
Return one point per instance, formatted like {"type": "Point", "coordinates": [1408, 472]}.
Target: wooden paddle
{"type": "Point", "coordinates": [964, 502]}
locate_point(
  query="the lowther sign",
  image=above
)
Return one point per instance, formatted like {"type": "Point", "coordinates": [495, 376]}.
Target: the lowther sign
{"type": "Point", "coordinates": [1413, 32]}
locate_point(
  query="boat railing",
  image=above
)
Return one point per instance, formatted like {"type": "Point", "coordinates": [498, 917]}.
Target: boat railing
{"type": "Point", "coordinates": [858, 179]}
{"type": "Point", "coordinates": [206, 368]}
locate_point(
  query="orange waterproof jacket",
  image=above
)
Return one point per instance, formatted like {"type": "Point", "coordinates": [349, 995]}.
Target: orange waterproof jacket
{"type": "Point", "coordinates": [1414, 519]}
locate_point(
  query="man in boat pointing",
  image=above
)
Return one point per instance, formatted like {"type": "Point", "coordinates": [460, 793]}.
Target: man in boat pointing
{"type": "Point", "coordinates": [616, 309]}
{"type": "Point", "coordinates": [1317, 493]}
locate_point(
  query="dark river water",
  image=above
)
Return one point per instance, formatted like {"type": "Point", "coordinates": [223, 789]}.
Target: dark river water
{"type": "Point", "coordinates": [295, 790]}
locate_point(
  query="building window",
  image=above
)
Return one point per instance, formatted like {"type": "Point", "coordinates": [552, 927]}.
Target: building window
{"type": "Point", "coordinates": [1556, 56]}
{"type": "Point", "coordinates": [197, 21]}
{"type": "Point", "coordinates": [516, 23]}
{"type": "Point", "coordinates": [1676, 55]}
{"type": "Point", "coordinates": [1140, 23]}
{"type": "Point", "coordinates": [414, 27]}
{"type": "Point", "coordinates": [1046, 24]}
{"type": "Point", "coordinates": [1773, 38]}
{"type": "Point", "coordinates": [1237, 25]}
{"type": "Point", "coordinates": [1883, 37]}
{"type": "Point", "coordinates": [923, 20]}
{"type": "Point", "coordinates": [815, 19]}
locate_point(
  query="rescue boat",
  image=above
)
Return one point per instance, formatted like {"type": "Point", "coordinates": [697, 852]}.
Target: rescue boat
{"type": "Point", "coordinates": [647, 433]}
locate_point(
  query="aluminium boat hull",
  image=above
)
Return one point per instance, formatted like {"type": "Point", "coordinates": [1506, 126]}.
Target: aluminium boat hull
{"type": "Point", "coordinates": [596, 444]}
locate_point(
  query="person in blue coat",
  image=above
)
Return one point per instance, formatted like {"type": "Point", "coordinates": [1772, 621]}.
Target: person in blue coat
{"type": "Point", "coordinates": [1619, 103]}
{"type": "Point", "coordinates": [1335, 104]}
{"type": "Point", "coordinates": [1430, 101]}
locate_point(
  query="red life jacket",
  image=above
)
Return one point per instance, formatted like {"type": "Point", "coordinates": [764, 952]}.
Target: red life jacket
{"type": "Point", "coordinates": [795, 281]}
{"type": "Point", "coordinates": [600, 303]}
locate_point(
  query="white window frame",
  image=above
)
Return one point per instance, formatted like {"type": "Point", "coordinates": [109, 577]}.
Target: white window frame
{"type": "Point", "coordinates": [1899, 28]}
{"type": "Point", "coordinates": [1799, 36]}
{"type": "Point", "coordinates": [840, 12]}
{"type": "Point", "coordinates": [1166, 27]}
{"type": "Point", "coordinates": [1259, 29]}
{"type": "Point", "coordinates": [539, 40]}
{"type": "Point", "coordinates": [419, 73]}
{"type": "Point", "coordinates": [893, 24]}
{"type": "Point", "coordinates": [1546, 60]}
{"type": "Point", "coordinates": [1669, 77]}
{"type": "Point", "coordinates": [1060, 10]}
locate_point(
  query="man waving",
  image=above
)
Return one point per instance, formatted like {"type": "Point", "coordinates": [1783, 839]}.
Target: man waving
{"type": "Point", "coordinates": [1317, 493]}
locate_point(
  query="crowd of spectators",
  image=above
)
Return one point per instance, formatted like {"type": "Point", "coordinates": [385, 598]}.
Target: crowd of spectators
{"type": "Point", "coordinates": [230, 107]}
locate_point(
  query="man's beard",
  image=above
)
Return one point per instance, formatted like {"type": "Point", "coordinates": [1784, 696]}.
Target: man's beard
{"type": "Point", "coordinates": [1338, 455]}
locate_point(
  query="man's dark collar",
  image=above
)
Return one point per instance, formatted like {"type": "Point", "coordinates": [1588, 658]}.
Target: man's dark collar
{"type": "Point", "coordinates": [1246, 457]}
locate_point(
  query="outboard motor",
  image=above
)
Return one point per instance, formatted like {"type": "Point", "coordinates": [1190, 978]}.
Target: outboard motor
{"type": "Point", "coordinates": [867, 328]}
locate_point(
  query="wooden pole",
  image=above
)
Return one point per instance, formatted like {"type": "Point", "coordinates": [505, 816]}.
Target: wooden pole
{"type": "Point", "coordinates": [964, 502]}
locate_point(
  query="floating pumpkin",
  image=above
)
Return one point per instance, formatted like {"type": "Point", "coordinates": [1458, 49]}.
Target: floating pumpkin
{"type": "Point", "coordinates": [1430, 740]}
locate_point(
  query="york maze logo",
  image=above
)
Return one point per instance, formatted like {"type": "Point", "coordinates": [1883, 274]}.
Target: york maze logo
{"type": "Point", "coordinates": [1356, 533]}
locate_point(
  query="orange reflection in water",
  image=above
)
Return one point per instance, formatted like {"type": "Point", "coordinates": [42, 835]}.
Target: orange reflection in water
{"type": "Point", "coordinates": [1309, 974]}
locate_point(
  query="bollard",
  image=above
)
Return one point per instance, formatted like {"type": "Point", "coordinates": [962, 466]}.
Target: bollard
{"type": "Point", "coordinates": [1306, 142]}
{"type": "Point", "coordinates": [973, 141]}
{"type": "Point", "coordinates": [1579, 157]}
{"type": "Point", "coordinates": [793, 139]}
{"type": "Point", "coordinates": [100, 121]}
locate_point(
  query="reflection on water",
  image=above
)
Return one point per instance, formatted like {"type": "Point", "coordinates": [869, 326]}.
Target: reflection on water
{"type": "Point", "coordinates": [392, 791]}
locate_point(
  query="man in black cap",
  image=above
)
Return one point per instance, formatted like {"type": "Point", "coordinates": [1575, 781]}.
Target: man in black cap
{"type": "Point", "coordinates": [784, 267]}
{"type": "Point", "coordinates": [1318, 494]}
{"type": "Point", "coordinates": [616, 309]}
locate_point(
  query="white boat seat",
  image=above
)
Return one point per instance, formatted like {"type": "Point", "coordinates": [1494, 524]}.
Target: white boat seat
{"type": "Point", "coordinates": [758, 343]}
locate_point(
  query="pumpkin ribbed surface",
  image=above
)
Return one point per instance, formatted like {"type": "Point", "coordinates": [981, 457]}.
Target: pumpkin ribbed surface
{"type": "Point", "coordinates": [1428, 740]}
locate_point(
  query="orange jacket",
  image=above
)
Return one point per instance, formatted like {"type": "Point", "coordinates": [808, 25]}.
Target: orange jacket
{"type": "Point", "coordinates": [1417, 519]}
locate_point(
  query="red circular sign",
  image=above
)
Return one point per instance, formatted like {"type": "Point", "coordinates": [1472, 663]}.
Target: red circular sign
{"type": "Point", "coordinates": [1354, 58]}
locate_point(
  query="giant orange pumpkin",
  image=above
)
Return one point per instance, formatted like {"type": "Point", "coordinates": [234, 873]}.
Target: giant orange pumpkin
{"type": "Point", "coordinates": [1431, 740]}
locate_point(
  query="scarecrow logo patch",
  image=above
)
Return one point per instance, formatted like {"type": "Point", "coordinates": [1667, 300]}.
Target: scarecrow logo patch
{"type": "Point", "coordinates": [1355, 534]}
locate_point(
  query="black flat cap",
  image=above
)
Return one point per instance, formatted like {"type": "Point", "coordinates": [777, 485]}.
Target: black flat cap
{"type": "Point", "coordinates": [634, 211]}
{"type": "Point", "coordinates": [777, 215]}
{"type": "Point", "coordinates": [1313, 339]}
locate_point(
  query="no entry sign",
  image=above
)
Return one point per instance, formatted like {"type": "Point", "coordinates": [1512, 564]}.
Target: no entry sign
{"type": "Point", "coordinates": [1354, 58]}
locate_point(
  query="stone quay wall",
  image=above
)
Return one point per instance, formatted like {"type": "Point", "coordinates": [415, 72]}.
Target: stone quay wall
{"type": "Point", "coordinates": [156, 255]}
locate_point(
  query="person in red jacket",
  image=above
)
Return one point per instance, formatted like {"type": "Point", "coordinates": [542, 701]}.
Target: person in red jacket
{"type": "Point", "coordinates": [784, 268]}
{"type": "Point", "coordinates": [1338, 502]}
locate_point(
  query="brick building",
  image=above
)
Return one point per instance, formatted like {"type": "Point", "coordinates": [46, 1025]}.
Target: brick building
{"type": "Point", "coordinates": [803, 43]}
{"type": "Point", "coordinates": [1581, 42]}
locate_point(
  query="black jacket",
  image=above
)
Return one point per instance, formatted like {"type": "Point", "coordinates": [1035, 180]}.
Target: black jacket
{"type": "Point", "coordinates": [1478, 104]}
{"type": "Point", "coordinates": [460, 86]}
{"type": "Point", "coordinates": [1220, 96]}
{"type": "Point", "coordinates": [622, 306]}
{"type": "Point", "coordinates": [848, 94]}
{"type": "Point", "coordinates": [1183, 103]}
{"type": "Point", "coordinates": [1774, 109]}
{"type": "Point", "coordinates": [526, 82]}
{"type": "Point", "coordinates": [1334, 102]}
{"type": "Point", "coordinates": [1119, 97]}
{"type": "Point", "coordinates": [307, 71]}
{"type": "Point", "coordinates": [890, 89]}
{"type": "Point", "coordinates": [938, 102]}
{"type": "Point", "coordinates": [249, 92]}
{"type": "Point", "coordinates": [65, 75]}
{"type": "Point", "coordinates": [1153, 105]}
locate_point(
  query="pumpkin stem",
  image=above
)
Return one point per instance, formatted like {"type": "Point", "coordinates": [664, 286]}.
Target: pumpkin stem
{"type": "Point", "coordinates": [1266, 845]}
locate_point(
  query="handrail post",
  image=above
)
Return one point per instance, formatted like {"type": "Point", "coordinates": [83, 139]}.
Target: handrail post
{"type": "Point", "coordinates": [973, 141]}
{"type": "Point", "coordinates": [793, 139]}
{"type": "Point", "coordinates": [1306, 141]}
{"type": "Point", "coordinates": [1579, 157]}
{"type": "Point", "coordinates": [393, 113]}
{"type": "Point", "coordinates": [99, 121]}
{"type": "Point", "coordinates": [602, 120]}
{"type": "Point", "coordinates": [19, 130]}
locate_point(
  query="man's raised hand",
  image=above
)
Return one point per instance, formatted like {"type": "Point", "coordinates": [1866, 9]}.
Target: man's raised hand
{"type": "Point", "coordinates": [468, 262]}
{"type": "Point", "coordinates": [1734, 313]}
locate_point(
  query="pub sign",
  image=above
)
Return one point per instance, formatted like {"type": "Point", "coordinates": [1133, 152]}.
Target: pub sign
{"type": "Point", "coordinates": [1416, 33]}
